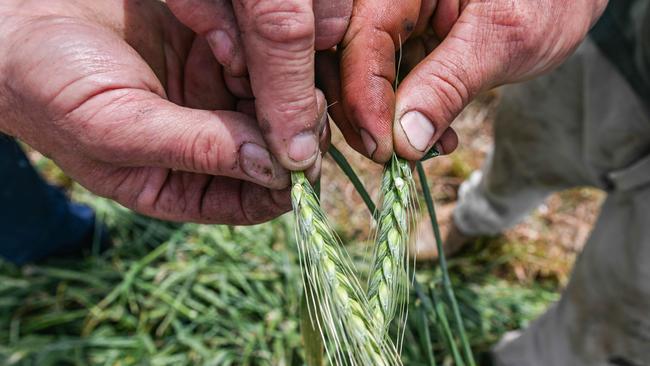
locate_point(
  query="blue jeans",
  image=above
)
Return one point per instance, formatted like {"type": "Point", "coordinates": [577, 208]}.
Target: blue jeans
{"type": "Point", "coordinates": [36, 219]}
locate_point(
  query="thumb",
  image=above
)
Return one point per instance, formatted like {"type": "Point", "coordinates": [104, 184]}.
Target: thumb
{"type": "Point", "coordinates": [279, 38]}
{"type": "Point", "coordinates": [437, 89]}
{"type": "Point", "coordinates": [135, 128]}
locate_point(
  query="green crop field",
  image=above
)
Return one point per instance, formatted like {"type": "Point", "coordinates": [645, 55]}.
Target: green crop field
{"type": "Point", "coordinates": [170, 294]}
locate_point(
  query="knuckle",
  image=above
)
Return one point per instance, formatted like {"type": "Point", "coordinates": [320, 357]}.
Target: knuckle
{"type": "Point", "coordinates": [295, 105]}
{"type": "Point", "coordinates": [282, 200]}
{"type": "Point", "coordinates": [507, 33]}
{"type": "Point", "coordinates": [202, 154]}
{"type": "Point", "coordinates": [172, 195]}
{"type": "Point", "coordinates": [521, 35]}
{"type": "Point", "coordinates": [284, 21]}
{"type": "Point", "coordinates": [126, 186]}
{"type": "Point", "coordinates": [449, 87]}
{"type": "Point", "coordinates": [167, 194]}
{"type": "Point", "coordinates": [111, 185]}
{"type": "Point", "coordinates": [331, 22]}
{"type": "Point", "coordinates": [298, 109]}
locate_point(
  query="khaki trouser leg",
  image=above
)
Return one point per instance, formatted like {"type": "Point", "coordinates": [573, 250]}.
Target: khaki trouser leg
{"type": "Point", "coordinates": [603, 317]}
{"type": "Point", "coordinates": [575, 127]}
{"type": "Point", "coordinates": [537, 151]}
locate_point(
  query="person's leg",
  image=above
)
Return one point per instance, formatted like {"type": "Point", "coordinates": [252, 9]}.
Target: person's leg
{"type": "Point", "coordinates": [537, 150]}
{"type": "Point", "coordinates": [602, 317]}
{"type": "Point", "coordinates": [36, 220]}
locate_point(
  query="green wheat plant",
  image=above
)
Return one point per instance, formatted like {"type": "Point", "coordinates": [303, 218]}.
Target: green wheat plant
{"type": "Point", "coordinates": [446, 282]}
{"type": "Point", "coordinates": [442, 324]}
{"type": "Point", "coordinates": [338, 308]}
{"type": "Point", "coordinates": [389, 280]}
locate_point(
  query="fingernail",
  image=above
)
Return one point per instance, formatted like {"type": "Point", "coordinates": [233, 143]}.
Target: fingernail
{"type": "Point", "coordinates": [256, 162]}
{"type": "Point", "coordinates": [436, 150]}
{"type": "Point", "coordinates": [222, 46]}
{"type": "Point", "coordinates": [303, 148]}
{"type": "Point", "coordinates": [418, 129]}
{"type": "Point", "coordinates": [368, 142]}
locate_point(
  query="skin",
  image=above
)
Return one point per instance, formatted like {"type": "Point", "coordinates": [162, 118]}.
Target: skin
{"type": "Point", "coordinates": [270, 45]}
{"type": "Point", "coordinates": [131, 104]}
{"type": "Point", "coordinates": [453, 50]}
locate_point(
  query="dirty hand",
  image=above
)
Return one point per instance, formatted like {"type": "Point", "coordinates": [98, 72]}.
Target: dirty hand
{"type": "Point", "coordinates": [454, 49]}
{"type": "Point", "coordinates": [118, 94]}
{"type": "Point", "coordinates": [270, 44]}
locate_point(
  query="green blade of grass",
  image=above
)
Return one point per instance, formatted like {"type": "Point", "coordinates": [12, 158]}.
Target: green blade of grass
{"type": "Point", "coordinates": [423, 328]}
{"type": "Point", "coordinates": [445, 329]}
{"type": "Point", "coordinates": [446, 282]}
{"type": "Point", "coordinates": [354, 178]}
{"type": "Point", "coordinates": [312, 341]}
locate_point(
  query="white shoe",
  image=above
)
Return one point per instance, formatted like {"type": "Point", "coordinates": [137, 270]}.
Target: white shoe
{"type": "Point", "coordinates": [423, 244]}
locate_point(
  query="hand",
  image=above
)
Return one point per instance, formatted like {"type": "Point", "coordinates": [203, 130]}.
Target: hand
{"type": "Point", "coordinates": [274, 41]}
{"type": "Point", "coordinates": [98, 87]}
{"type": "Point", "coordinates": [456, 49]}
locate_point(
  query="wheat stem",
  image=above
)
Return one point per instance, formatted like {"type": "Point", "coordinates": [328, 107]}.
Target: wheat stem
{"type": "Point", "coordinates": [446, 282]}
{"type": "Point", "coordinates": [342, 162]}
{"type": "Point", "coordinates": [344, 320]}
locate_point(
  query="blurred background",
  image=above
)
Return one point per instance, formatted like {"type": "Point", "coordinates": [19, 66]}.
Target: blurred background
{"type": "Point", "coordinates": [186, 294]}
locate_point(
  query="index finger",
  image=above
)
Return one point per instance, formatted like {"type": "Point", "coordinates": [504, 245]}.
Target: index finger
{"type": "Point", "coordinates": [332, 19]}
{"type": "Point", "coordinates": [377, 30]}
{"type": "Point", "coordinates": [279, 37]}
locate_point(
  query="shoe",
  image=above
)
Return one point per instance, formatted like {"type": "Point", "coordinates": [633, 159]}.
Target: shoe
{"type": "Point", "coordinates": [506, 340]}
{"type": "Point", "coordinates": [423, 246]}
{"type": "Point", "coordinates": [95, 236]}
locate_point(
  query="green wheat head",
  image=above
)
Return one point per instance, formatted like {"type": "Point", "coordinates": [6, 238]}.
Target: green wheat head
{"type": "Point", "coordinates": [389, 280]}
{"type": "Point", "coordinates": [343, 313]}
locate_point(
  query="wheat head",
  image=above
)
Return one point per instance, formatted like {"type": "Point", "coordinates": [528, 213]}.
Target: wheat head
{"type": "Point", "coordinates": [389, 279]}
{"type": "Point", "coordinates": [344, 319]}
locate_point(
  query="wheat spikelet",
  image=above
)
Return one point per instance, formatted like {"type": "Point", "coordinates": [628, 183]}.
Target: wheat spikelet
{"type": "Point", "coordinates": [388, 282]}
{"type": "Point", "coordinates": [343, 320]}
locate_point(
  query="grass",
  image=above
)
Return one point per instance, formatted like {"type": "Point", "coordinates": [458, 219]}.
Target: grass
{"type": "Point", "coordinates": [468, 357]}
{"type": "Point", "coordinates": [190, 294]}
{"type": "Point", "coordinates": [167, 294]}
{"type": "Point", "coordinates": [170, 294]}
